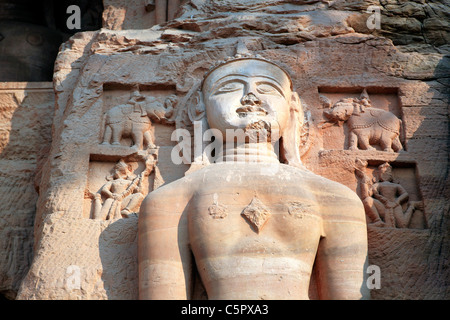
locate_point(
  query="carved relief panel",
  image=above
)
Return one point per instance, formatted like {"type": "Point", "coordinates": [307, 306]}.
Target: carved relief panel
{"type": "Point", "coordinates": [390, 194]}
{"type": "Point", "coordinates": [116, 189]}
{"type": "Point", "coordinates": [364, 133]}
{"type": "Point", "coordinates": [131, 114]}
{"type": "Point", "coordinates": [123, 167]}
{"type": "Point", "coordinates": [362, 121]}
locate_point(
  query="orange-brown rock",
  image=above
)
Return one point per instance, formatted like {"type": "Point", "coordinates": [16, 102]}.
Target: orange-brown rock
{"type": "Point", "coordinates": [332, 55]}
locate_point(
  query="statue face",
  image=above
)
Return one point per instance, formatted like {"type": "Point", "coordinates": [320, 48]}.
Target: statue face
{"type": "Point", "coordinates": [386, 174]}
{"type": "Point", "coordinates": [243, 92]}
{"type": "Point", "coordinates": [121, 171]}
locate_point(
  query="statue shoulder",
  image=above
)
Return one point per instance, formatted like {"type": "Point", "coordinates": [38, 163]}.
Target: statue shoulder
{"type": "Point", "coordinates": [168, 199]}
{"type": "Point", "coordinates": [336, 200]}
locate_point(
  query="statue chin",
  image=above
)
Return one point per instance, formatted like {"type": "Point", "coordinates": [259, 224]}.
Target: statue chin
{"type": "Point", "coordinates": [244, 120]}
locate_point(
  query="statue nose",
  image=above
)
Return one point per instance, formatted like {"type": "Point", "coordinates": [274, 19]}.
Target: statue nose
{"type": "Point", "coordinates": [250, 99]}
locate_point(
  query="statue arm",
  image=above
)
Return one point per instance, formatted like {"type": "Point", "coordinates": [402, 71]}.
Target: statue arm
{"type": "Point", "coordinates": [130, 189]}
{"type": "Point", "coordinates": [365, 187]}
{"type": "Point", "coordinates": [106, 190]}
{"type": "Point", "coordinates": [403, 195]}
{"type": "Point", "coordinates": [342, 255]}
{"type": "Point", "coordinates": [165, 259]}
{"type": "Point", "coordinates": [378, 196]}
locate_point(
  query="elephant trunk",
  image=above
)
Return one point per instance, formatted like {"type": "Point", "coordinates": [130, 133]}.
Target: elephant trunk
{"type": "Point", "coordinates": [329, 114]}
{"type": "Point", "coordinates": [157, 113]}
{"type": "Point", "coordinates": [168, 112]}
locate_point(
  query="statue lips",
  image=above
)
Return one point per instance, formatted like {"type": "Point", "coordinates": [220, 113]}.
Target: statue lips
{"type": "Point", "coordinates": [251, 109]}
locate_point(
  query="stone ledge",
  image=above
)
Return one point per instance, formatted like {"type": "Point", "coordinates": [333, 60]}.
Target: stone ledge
{"type": "Point", "coordinates": [368, 155]}
{"type": "Point", "coordinates": [26, 85]}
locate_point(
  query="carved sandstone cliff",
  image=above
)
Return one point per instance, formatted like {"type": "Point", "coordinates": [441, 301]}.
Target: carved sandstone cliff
{"type": "Point", "coordinates": [329, 52]}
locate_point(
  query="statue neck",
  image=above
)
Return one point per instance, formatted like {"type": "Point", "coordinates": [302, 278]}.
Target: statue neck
{"type": "Point", "coordinates": [248, 152]}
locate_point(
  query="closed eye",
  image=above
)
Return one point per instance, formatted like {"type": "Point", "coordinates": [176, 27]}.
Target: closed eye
{"type": "Point", "coordinates": [265, 88]}
{"type": "Point", "coordinates": [229, 87]}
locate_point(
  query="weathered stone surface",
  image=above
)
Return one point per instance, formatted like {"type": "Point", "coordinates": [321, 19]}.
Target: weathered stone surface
{"type": "Point", "coordinates": [27, 111]}
{"type": "Point", "coordinates": [100, 264]}
{"type": "Point", "coordinates": [138, 14]}
{"type": "Point", "coordinates": [328, 50]}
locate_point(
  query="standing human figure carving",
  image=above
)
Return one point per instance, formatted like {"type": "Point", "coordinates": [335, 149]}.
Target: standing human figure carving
{"type": "Point", "coordinates": [375, 210]}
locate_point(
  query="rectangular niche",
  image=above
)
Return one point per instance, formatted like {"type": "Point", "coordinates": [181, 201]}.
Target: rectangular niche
{"type": "Point", "coordinates": [336, 137]}
{"type": "Point", "coordinates": [115, 94]}
{"type": "Point", "coordinates": [404, 179]}
{"type": "Point", "coordinates": [101, 173]}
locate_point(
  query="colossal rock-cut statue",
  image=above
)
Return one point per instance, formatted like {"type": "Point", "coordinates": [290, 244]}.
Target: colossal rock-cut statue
{"type": "Point", "coordinates": [251, 226]}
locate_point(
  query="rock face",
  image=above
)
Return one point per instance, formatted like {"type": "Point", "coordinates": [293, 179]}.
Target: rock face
{"type": "Point", "coordinates": [334, 59]}
{"type": "Point", "coordinates": [27, 112]}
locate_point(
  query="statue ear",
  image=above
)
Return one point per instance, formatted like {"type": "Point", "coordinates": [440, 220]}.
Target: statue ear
{"type": "Point", "coordinates": [291, 134]}
{"type": "Point", "coordinates": [196, 112]}
{"type": "Point", "coordinates": [196, 107]}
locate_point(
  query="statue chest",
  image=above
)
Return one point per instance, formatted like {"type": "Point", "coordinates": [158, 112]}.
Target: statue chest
{"type": "Point", "coordinates": [234, 221]}
{"type": "Point", "coordinates": [120, 185]}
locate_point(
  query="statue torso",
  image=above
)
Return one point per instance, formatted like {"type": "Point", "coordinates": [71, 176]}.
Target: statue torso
{"type": "Point", "coordinates": [388, 189]}
{"type": "Point", "coordinates": [267, 254]}
{"type": "Point", "coordinates": [119, 185]}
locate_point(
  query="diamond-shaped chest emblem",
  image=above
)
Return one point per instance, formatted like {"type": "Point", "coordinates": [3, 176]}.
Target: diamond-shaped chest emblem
{"type": "Point", "coordinates": [257, 214]}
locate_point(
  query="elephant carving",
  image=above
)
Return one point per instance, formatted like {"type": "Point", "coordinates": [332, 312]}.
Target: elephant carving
{"type": "Point", "coordinates": [367, 126]}
{"type": "Point", "coordinates": [134, 120]}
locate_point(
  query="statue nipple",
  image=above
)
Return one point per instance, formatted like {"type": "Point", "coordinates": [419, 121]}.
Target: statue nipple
{"type": "Point", "coordinates": [216, 210]}
{"type": "Point", "coordinates": [257, 214]}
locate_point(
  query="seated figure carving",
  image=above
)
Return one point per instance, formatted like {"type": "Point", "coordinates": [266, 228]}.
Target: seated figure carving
{"type": "Point", "coordinates": [394, 197]}
{"type": "Point", "coordinates": [386, 202]}
{"type": "Point", "coordinates": [251, 233]}
{"type": "Point", "coordinates": [123, 193]}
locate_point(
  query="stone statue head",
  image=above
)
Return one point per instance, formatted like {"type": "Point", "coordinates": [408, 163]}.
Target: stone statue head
{"type": "Point", "coordinates": [385, 172]}
{"type": "Point", "coordinates": [136, 96]}
{"type": "Point", "coordinates": [244, 91]}
{"type": "Point", "coordinates": [122, 170]}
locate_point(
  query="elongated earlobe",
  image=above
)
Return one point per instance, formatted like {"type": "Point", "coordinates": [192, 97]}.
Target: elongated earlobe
{"type": "Point", "coordinates": [197, 116]}
{"type": "Point", "coordinates": [291, 134]}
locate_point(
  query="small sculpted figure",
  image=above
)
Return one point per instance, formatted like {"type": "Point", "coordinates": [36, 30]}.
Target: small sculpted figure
{"type": "Point", "coordinates": [123, 193]}
{"type": "Point", "coordinates": [367, 126]}
{"type": "Point", "coordinates": [133, 119]}
{"type": "Point", "coordinates": [375, 210]}
{"type": "Point", "coordinates": [250, 226]}
{"type": "Point", "coordinates": [386, 202]}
